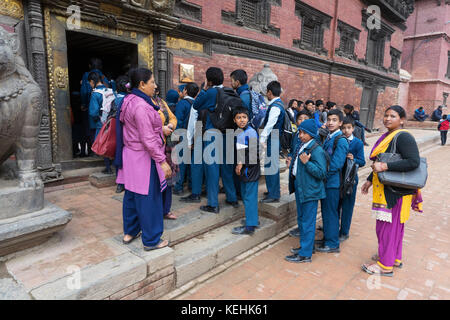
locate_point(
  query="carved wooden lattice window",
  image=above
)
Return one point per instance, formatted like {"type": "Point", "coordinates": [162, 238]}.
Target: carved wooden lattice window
{"type": "Point", "coordinates": [349, 36]}
{"type": "Point", "coordinates": [313, 25]}
{"type": "Point", "coordinates": [249, 11]}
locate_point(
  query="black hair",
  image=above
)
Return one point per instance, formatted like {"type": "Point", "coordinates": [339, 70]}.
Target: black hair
{"type": "Point", "coordinates": [215, 75]}
{"type": "Point", "coordinates": [96, 63]}
{"type": "Point", "coordinates": [348, 120]}
{"type": "Point", "coordinates": [349, 107]}
{"type": "Point", "coordinates": [94, 76]}
{"type": "Point", "coordinates": [139, 74]}
{"type": "Point", "coordinates": [308, 102]}
{"type": "Point", "coordinates": [336, 112]}
{"type": "Point", "coordinates": [319, 103]}
{"type": "Point", "coordinates": [292, 102]}
{"type": "Point", "coordinates": [444, 117]}
{"type": "Point", "coordinates": [192, 89]}
{"type": "Point", "coordinates": [303, 112]}
{"type": "Point", "coordinates": [420, 108]}
{"type": "Point", "coordinates": [238, 110]}
{"type": "Point", "coordinates": [330, 105]}
{"type": "Point", "coordinates": [275, 88]}
{"type": "Point", "coordinates": [401, 112]}
{"type": "Point", "coordinates": [240, 75]}
{"type": "Point", "coordinates": [121, 83]}
{"type": "Point", "coordinates": [300, 102]}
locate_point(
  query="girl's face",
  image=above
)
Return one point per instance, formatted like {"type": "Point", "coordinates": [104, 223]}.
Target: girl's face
{"type": "Point", "coordinates": [294, 105]}
{"type": "Point", "coordinates": [148, 87]}
{"type": "Point", "coordinates": [392, 120]}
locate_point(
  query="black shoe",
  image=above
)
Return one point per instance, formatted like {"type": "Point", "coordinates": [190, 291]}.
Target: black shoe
{"type": "Point", "coordinates": [193, 198]}
{"type": "Point", "coordinates": [297, 259]}
{"type": "Point", "coordinates": [297, 250]}
{"type": "Point", "coordinates": [295, 233]}
{"type": "Point", "coordinates": [106, 171]}
{"type": "Point", "coordinates": [343, 237]}
{"type": "Point", "coordinates": [269, 200]}
{"type": "Point", "coordinates": [210, 209]}
{"type": "Point", "coordinates": [319, 242]}
{"type": "Point", "coordinates": [327, 249]}
{"type": "Point", "coordinates": [120, 188]}
{"type": "Point", "coordinates": [266, 194]}
{"type": "Point", "coordinates": [242, 230]}
{"type": "Point", "coordinates": [243, 222]}
{"type": "Point", "coordinates": [177, 192]}
{"type": "Point", "coordinates": [235, 204]}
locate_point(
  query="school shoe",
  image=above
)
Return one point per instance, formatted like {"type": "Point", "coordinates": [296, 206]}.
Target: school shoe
{"type": "Point", "coordinates": [297, 250]}
{"type": "Point", "coordinates": [210, 209]}
{"type": "Point", "coordinates": [343, 237]}
{"type": "Point", "coordinates": [297, 259]}
{"type": "Point", "coordinates": [235, 204]}
{"type": "Point", "coordinates": [106, 171]}
{"type": "Point", "coordinates": [327, 249]}
{"type": "Point", "coordinates": [243, 230]}
{"type": "Point", "coordinates": [193, 198]}
{"type": "Point", "coordinates": [177, 192]}
{"type": "Point", "coordinates": [266, 194]}
{"type": "Point", "coordinates": [295, 233]}
{"type": "Point", "coordinates": [269, 200]}
{"type": "Point", "coordinates": [243, 222]}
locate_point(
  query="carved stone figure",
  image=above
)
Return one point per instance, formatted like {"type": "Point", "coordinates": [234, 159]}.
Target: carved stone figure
{"type": "Point", "coordinates": [19, 112]}
{"type": "Point", "coordinates": [261, 79]}
{"type": "Point", "coordinates": [165, 6]}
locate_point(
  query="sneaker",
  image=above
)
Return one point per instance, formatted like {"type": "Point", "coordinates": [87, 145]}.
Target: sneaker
{"type": "Point", "coordinates": [193, 198]}
{"type": "Point", "coordinates": [243, 230]}
{"type": "Point", "coordinates": [295, 233]}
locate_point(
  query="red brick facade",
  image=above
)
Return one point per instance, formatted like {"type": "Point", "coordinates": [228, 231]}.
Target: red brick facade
{"type": "Point", "coordinates": [297, 82]}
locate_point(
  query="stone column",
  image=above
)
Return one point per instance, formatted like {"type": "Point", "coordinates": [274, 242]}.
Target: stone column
{"type": "Point", "coordinates": [161, 62]}
{"type": "Point", "coordinates": [34, 25]}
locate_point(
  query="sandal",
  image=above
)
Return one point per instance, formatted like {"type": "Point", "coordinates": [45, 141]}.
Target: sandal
{"type": "Point", "coordinates": [133, 238]}
{"type": "Point", "coordinates": [370, 270]}
{"type": "Point", "coordinates": [161, 244]}
{"type": "Point", "coordinates": [170, 216]}
{"type": "Point", "coordinates": [375, 258]}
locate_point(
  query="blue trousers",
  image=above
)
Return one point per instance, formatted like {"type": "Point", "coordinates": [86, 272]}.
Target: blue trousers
{"type": "Point", "coordinates": [330, 217]}
{"type": "Point", "coordinates": [273, 181]}
{"type": "Point", "coordinates": [249, 193]}
{"type": "Point", "coordinates": [306, 219]}
{"type": "Point", "coordinates": [237, 182]}
{"type": "Point", "coordinates": [197, 174]}
{"type": "Point", "coordinates": [346, 212]}
{"type": "Point", "coordinates": [145, 213]}
{"type": "Point", "coordinates": [184, 171]}
{"type": "Point", "coordinates": [167, 200]}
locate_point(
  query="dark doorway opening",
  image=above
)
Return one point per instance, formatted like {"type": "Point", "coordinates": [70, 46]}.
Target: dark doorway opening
{"type": "Point", "coordinates": [117, 58]}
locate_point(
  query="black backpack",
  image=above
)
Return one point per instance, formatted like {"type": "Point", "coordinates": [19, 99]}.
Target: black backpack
{"type": "Point", "coordinates": [286, 134]}
{"type": "Point", "coordinates": [348, 180]}
{"type": "Point", "coordinates": [222, 116]}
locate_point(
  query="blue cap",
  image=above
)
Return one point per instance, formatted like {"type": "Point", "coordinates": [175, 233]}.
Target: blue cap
{"type": "Point", "coordinates": [172, 97]}
{"type": "Point", "coordinates": [309, 126]}
{"type": "Point", "coordinates": [181, 87]}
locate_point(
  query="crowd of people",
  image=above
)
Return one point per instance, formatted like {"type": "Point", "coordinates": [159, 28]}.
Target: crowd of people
{"type": "Point", "coordinates": [326, 149]}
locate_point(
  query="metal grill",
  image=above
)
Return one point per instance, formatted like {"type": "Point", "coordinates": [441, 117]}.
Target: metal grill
{"type": "Point", "coordinates": [249, 10]}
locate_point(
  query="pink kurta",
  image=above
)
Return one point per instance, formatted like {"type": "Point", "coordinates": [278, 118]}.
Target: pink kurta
{"type": "Point", "coordinates": [143, 142]}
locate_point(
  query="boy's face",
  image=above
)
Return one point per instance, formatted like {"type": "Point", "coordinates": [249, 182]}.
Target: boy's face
{"type": "Point", "coordinates": [333, 123]}
{"type": "Point", "coordinates": [347, 130]}
{"type": "Point", "coordinates": [310, 107]}
{"type": "Point", "coordinates": [92, 83]}
{"type": "Point", "coordinates": [304, 137]}
{"type": "Point", "coordinates": [234, 83]}
{"type": "Point", "coordinates": [241, 120]}
{"type": "Point", "coordinates": [320, 108]}
{"type": "Point", "coordinates": [183, 94]}
{"type": "Point", "coordinates": [301, 118]}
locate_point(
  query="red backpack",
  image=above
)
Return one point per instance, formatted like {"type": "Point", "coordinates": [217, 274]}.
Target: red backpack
{"type": "Point", "coordinates": [105, 143]}
{"type": "Point", "coordinates": [444, 125]}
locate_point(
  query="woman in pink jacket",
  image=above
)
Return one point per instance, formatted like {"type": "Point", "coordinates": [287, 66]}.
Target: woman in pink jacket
{"type": "Point", "coordinates": [145, 169]}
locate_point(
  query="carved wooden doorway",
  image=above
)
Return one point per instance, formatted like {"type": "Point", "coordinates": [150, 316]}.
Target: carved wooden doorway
{"type": "Point", "coordinates": [368, 105]}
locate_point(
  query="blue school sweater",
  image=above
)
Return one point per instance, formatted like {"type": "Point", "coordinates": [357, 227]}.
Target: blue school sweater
{"type": "Point", "coordinates": [182, 111]}
{"type": "Point", "coordinates": [206, 100]}
{"type": "Point", "coordinates": [337, 159]}
{"type": "Point", "coordinates": [95, 105]}
{"type": "Point", "coordinates": [356, 148]}
{"type": "Point", "coordinates": [244, 94]}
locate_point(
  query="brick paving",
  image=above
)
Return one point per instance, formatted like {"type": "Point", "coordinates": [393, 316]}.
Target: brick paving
{"type": "Point", "coordinates": [425, 275]}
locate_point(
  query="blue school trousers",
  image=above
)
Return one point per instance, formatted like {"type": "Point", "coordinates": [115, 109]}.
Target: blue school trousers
{"type": "Point", "coordinates": [346, 212]}
{"type": "Point", "coordinates": [145, 213]}
{"type": "Point", "coordinates": [330, 217]}
{"type": "Point", "coordinates": [273, 181]}
{"type": "Point", "coordinates": [197, 173]}
{"type": "Point", "coordinates": [306, 219]}
{"type": "Point", "coordinates": [249, 194]}
{"type": "Point", "coordinates": [227, 174]}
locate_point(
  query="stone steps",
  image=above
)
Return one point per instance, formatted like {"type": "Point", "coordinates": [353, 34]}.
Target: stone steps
{"type": "Point", "coordinates": [203, 253]}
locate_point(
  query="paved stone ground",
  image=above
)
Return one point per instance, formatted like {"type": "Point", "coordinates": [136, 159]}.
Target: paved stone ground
{"type": "Point", "coordinates": [425, 275]}
{"type": "Point", "coordinates": [97, 216]}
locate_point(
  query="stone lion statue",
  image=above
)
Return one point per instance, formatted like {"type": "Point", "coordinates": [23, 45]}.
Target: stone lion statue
{"type": "Point", "coordinates": [260, 80]}
{"type": "Point", "coordinates": [19, 112]}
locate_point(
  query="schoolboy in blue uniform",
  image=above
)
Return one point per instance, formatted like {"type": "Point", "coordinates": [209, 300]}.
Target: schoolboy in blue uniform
{"type": "Point", "coordinates": [273, 121]}
{"type": "Point", "coordinates": [307, 175]}
{"type": "Point", "coordinates": [206, 101]}
{"type": "Point", "coordinates": [356, 153]}
{"type": "Point", "coordinates": [330, 204]}
{"type": "Point", "coordinates": [182, 113]}
{"type": "Point", "coordinates": [247, 169]}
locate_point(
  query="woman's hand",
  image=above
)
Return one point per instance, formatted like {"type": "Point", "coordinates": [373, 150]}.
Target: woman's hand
{"type": "Point", "coordinates": [167, 170]}
{"type": "Point", "coordinates": [167, 131]}
{"type": "Point", "coordinates": [379, 167]}
{"type": "Point", "coordinates": [366, 186]}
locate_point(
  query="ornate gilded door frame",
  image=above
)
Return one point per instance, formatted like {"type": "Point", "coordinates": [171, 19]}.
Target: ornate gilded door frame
{"type": "Point", "coordinates": [57, 69]}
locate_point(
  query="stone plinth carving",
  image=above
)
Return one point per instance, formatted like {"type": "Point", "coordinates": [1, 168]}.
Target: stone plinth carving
{"type": "Point", "coordinates": [261, 79]}
{"type": "Point", "coordinates": [25, 219]}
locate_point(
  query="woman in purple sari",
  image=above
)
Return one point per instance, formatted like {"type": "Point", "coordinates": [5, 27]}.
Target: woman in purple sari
{"type": "Point", "coordinates": [144, 170]}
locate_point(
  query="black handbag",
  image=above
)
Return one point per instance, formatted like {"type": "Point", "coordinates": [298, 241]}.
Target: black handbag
{"type": "Point", "coordinates": [414, 179]}
{"type": "Point", "coordinates": [349, 174]}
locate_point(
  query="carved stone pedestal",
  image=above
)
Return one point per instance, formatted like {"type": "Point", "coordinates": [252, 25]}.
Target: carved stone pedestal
{"type": "Point", "coordinates": [101, 180]}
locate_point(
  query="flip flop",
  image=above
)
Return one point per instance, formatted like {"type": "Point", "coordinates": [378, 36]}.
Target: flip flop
{"type": "Point", "coordinates": [384, 274]}
{"type": "Point", "coordinates": [375, 258]}
{"type": "Point", "coordinates": [170, 216]}
{"type": "Point", "coordinates": [131, 240]}
{"type": "Point", "coordinates": [156, 247]}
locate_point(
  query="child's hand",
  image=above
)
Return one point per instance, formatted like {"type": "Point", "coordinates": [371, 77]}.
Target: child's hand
{"type": "Point", "coordinates": [238, 169]}
{"type": "Point", "coordinates": [304, 158]}
{"type": "Point", "coordinates": [288, 161]}
{"type": "Point", "coordinates": [350, 156]}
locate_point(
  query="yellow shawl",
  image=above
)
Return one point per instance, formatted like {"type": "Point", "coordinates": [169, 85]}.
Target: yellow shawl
{"type": "Point", "coordinates": [379, 205]}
